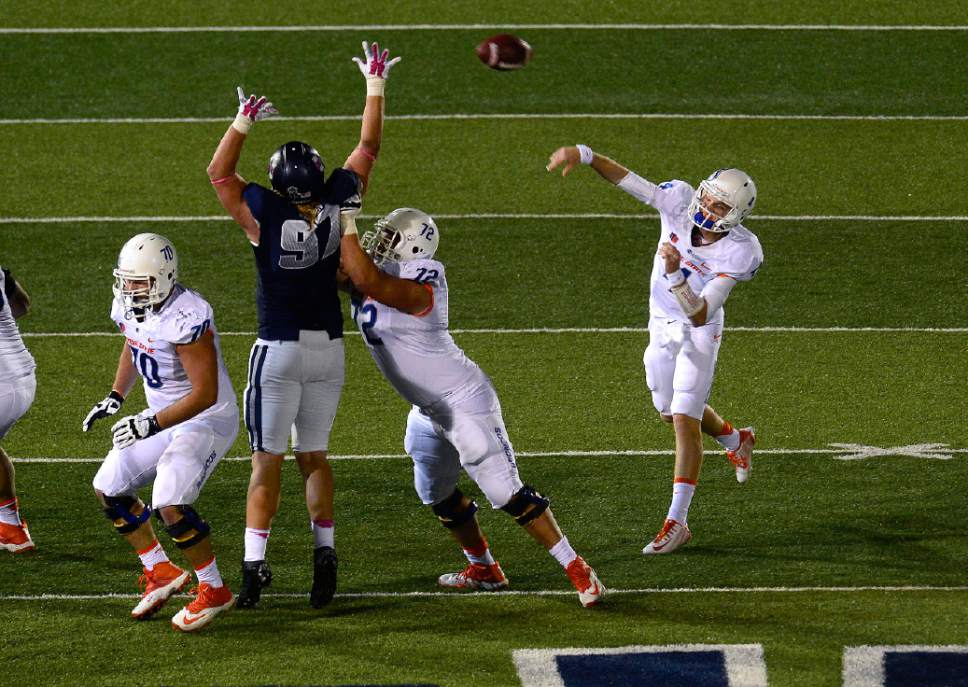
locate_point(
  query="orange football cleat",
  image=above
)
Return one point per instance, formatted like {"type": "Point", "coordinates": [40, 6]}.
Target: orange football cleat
{"type": "Point", "coordinates": [208, 603]}
{"type": "Point", "coordinates": [16, 539]}
{"type": "Point", "coordinates": [158, 585]}
{"type": "Point", "coordinates": [590, 588]}
{"type": "Point", "coordinates": [488, 578]}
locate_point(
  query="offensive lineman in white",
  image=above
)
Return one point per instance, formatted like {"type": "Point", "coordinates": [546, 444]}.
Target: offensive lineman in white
{"type": "Point", "coordinates": [704, 250]}
{"type": "Point", "coordinates": [17, 388]}
{"type": "Point", "coordinates": [455, 422]}
{"type": "Point", "coordinates": [191, 421]}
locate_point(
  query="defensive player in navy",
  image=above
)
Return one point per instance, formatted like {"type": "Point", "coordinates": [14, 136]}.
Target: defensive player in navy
{"type": "Point", "coordinates": [704, 251]}
{"type": "Point", "coordinates": [296, 366]}
{"type": "Point", "coordinates": [400, 306]}
{"type": "Point", "coordinates": [17, 387]}
{"type": "Point", "coordinates": [191, 421]}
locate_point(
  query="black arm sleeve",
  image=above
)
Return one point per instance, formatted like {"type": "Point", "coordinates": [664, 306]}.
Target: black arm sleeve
{"type": "Point", "coordinates": [9, 284]}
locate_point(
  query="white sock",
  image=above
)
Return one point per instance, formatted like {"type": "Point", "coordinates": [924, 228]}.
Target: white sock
{"type": "Point", "coordinates": [9, 515]}
{"type": "Point", "coordinates": [323, 532]}
{"type": "Point", "coordinates": [563, 552]}
{"type": "Point", "coordinates": [255, 544]}
{"type": "Point", "coordinates": [682, 493]}
{"type": "Point", "coordinates": [209, 574]}
{"type": "Point", "coordinates": [729, 439]}
{"type": "Point", "coordinates": [152, 556]}
{"type": "Point", "coordinates": [481, 555]}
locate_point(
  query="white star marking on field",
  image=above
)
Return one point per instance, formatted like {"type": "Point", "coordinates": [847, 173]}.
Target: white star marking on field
{"type": "Point", "coordinates": [861, 452]}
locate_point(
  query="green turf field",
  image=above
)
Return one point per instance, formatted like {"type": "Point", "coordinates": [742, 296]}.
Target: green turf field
{"type": "Point", "coordinates": [853, 337]}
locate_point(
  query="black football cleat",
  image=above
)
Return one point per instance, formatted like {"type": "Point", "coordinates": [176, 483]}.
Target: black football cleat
{"type": "Point", "coordinates": [324, 576]}
{"type": "Point", "coordinates": [256, 576]}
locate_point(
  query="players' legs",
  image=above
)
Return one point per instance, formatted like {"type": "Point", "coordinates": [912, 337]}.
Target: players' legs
{"type": "Point", "coordinates": [323, 373]}
{"type": "Point", "coordinates": [8, 491]}
{"type": "Point", "coordinates": [691, 381]}
{"type": "Point", "coordinates": [318, 479]}
{"type": "Point", "coordinates": [16, 396]}
{"type": "Point", "coordinates": [436, 471]}
{"type": "Point", "coordinates": [477, 431]}
{"type": "Point", "coordinates": [271, 402]}
{"type": "Point", "coordinates": [195, 450]}
{"type": "Point", "coordinates": [262, 501]}
{"type": "Point", "coordinates": [116, 486]}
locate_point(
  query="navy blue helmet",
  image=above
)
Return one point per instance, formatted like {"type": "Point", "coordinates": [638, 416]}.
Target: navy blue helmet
{"type": "Point", "coordinates": [296, 172]}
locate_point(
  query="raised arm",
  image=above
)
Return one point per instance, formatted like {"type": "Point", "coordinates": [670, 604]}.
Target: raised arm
{"type": "Point", "coordinates": [376, 69]}
{"type": "Point", "coordinates": [228, 183]}
{"type": "Point", "coordinates": [405, 295]}
{"type": "Point", "coordinates": [569, 156]}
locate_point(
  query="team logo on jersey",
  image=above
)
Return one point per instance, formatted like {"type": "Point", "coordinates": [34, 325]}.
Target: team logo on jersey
{"type": "Point", "coordinates": [121, 326]}
{"type": "Point", "coordinates": [673, 238]}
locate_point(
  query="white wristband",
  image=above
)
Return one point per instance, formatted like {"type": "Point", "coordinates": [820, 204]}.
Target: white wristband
{"type": "Point", "coordinates": [675, 278]}
{"type": "Point", "coordinates": [586, 154]}
{"type": "Point", "coordinates": [347, 223]}
{"type": "Point", "coordinates": [242, 124]}
{"type": "Point", "coordinates": [375, 85]}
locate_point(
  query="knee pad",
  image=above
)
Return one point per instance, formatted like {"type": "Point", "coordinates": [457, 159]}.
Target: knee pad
{"type": "Point", "coordinates": [189, 530]}
{"type": "Point", "coordinates": [120, 511]}
{"type": "Point", "coordinates": [526, 505]}
{"type": "Point", "coordinates": [449, 513]}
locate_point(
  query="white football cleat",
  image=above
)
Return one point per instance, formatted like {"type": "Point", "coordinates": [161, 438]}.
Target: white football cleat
{"type": "Point", "coordinates": [742, 457]}
{"type": "Point", "coordinates": [672, 535]}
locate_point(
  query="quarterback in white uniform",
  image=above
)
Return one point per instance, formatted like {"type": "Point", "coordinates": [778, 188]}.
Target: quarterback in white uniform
{"type": "Point", "coordinates": [191, 421]}
{"type": "Point", "coordinates": [704, 251]}
{"type": "Point", "coordinates": [17, 388]}
{"type": "Point", "coordinates": [400, 308]}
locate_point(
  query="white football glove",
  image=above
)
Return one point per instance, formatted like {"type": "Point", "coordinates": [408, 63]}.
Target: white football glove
{"type": "Point", "coordinates": [376, 67]}
{"type": "Point", "coordinates": [109, 406]}
{"type": "Point", "coordinates": [251, 109]}
{"type": "Point", "coordinates": [129, 429]}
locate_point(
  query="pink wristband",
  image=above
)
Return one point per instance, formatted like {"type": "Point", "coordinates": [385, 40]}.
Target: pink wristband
{"type": "Point", "coordinates": [216, 182]}
{"type": "Point", "coordinates": [370, 155]}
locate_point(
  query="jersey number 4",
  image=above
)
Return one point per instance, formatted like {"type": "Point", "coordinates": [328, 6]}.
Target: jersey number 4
{"type": "Point", "coordinates": [300, 245]}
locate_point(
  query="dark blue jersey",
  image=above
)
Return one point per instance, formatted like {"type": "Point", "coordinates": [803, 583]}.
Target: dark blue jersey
{"type": "Point", "coordinates": [296, 287]}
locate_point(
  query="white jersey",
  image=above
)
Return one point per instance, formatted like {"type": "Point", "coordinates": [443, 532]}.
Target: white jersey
{"type": "Point", "coordinates": [183, 318]}
{"type": "Point", "coordinates": [15, 359]}
{"type": "Point", "coordinates": [416, 353]}
{"type": "Point", "coordinates": [737, 255]}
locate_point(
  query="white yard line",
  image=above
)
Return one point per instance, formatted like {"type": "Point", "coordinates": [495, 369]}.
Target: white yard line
{"type": "Point", "coordinates": [588, 330]}
{"type": "Point", "coordinates": [539, 592]}
{"type": "Point", "coordinates": [490, 215]}
{"type": "Point", "coordinates": [496, 115]}
{"type": "Point", "coordinates": [483, 27]}
{"type": "Point", "coordinates": [519, 454]}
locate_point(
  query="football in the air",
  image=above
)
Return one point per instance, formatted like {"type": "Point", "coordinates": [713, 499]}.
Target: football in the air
{"type": "Point", "coordinates": [504, 52]}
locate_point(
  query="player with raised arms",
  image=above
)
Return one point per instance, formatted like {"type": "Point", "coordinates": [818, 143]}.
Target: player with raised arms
{"type": "Point", "coordinates": [191, 421]}
{"type": "Point", "coordinates": [296, 367]}
{"type": "Point", "coordinates": [704, 251]}
{"type": "Point", "coordinates": [400, 305]}
{"type": "Point", "coordinates": [18, 384]}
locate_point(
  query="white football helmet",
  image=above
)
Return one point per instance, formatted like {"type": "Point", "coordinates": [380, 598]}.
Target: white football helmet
{"type": "Point", "coordinates": [151, 260]}
{"type": "Point", "coordinates": [731, 186]}
{"type": "Point", "coordinates": [404, 234]}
